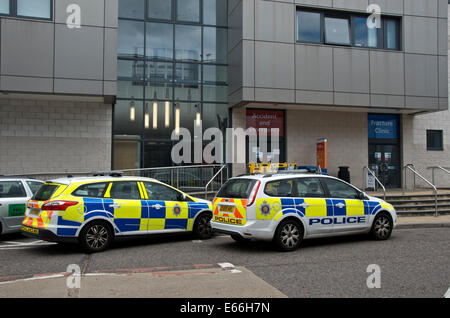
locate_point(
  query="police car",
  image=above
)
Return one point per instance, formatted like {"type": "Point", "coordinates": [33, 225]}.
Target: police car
{"type": "Point", "coordinates": [287, 208]}
{"type": "Point", "coordinates": [92, 211]}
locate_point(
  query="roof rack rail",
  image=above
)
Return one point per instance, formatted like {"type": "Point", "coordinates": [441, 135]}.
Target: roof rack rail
{"type": "Point", "coordinates": [116, 174]}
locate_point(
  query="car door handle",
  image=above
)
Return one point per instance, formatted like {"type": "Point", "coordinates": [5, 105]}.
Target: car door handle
{"type": "Point", "coordinates": [304, 205]}
{"type": "Point", "coordinates": [340, 205]}
{"type": "Point", "coordinates": [157, 206]}
{"type": "Point", "coordinates": [114, 206]}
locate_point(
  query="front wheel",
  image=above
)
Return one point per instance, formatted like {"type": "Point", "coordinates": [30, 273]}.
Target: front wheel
{"type": "Point", "coordinates": [382, 227]}
{"type": "Point", "coordinates": [288, 235]}
{"type": "Point", "coordinates": [202, 227]}
{"type": "Point", "coordinates": [96, 237]}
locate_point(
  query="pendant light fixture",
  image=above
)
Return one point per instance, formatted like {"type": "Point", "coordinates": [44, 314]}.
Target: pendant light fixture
{"type": "Point", "coordinates": [132, 109]}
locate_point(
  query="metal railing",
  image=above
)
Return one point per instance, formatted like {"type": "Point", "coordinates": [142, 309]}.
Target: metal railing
{"type": "Point", "coordinates": [376, 179]}
{"type": "Point", "coordinates": [433, 168]}
{"type": "Point", "coordinates": [412, 168]}
{"type": "Point", "coordinates": [214, 177]}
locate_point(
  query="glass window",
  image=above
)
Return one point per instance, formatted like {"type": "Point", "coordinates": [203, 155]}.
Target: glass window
{"type": "Point", "coordinates": [127, 190]}
{"type": "Point", "coordinates": [215, 115]}
{"type": "Point", "coordinates": [160, 192]}
{"type": "Point", "coordinates": [215, 93]}
{"type": "Point", "coordinates": [339, 189]}
{"type": "Point", "coordinates": [434, 140]}
{"type": "Point", "coordinates": [159, 9]}
{"type": "Point", "coordinates": [337, 31]}
{"type": "Point", "coordinates": [308, 26]}
{"type": "Point", "coordinates": [214, 74]}
{"type": "Point", "coordinates": [391, 34]}
{"type": "Point", "coordinates": [364, 36]}
{"type": "Point", "coordinates": [215, 45]}
{"type": "Point", "coordinates": [12, 189]}
{"type": "Point", "coordinates": [34, 8]}
{"type": "Point", "coordinates": [4, 6]}
{"type": "Point", "coordinates": [188, 10]}
{"type": "Point", "coordinates": [34, 186]}
{"type": "Point", "coordinates": [133, 9]}
{"type": "Point", "coordinates": [309, 188]}
{"type": "Point", "coordinates": [237, 189]}
{"type": "Point", "coordinates": [130, 89]}
{"type": "Point", "coordinates": [159, 72]}
{"type": "Point", "coordinates": [130, 41]}
{"type": "Point", "coordinates": [159, 41]}
{"type": "Point", "coordinates": [280, 188]}
{"type": "Point", "coordinates": [130, 70]}
{"type": "Point", "coordinates": [93, 190]}
{"type": "Point", "coordinates": [188, 43]}
{"type": "Point", "coordinates": [124, 121]}
{"type": "Point", "coordinates": [45, 192]}
{"type": "Point", "coordinates": [187, 82]}
{"type": "Point", "coordinates": [215, 12]}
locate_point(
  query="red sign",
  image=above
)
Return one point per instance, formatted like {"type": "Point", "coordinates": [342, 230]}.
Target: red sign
{"type": "Point", "coordinates": [322, 154]}
{"type": "Point", "coordinates": [266, 119]}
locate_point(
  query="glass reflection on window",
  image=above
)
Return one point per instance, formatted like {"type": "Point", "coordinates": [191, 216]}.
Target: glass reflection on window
{"type": "Point", "coordinates": [133, 9]}
{"type": "Point", "coordinates": [4, 6]}
{"type": "Point", "coordinates": [188, 43]}
{"type": "Point", "coordinates": [159, 9]}
{"type": "Point", "coordinates": [215, 12]}
{"type": "Point", "coordinates": [391, 34]}
{"type": "Point", "coordinates": [130, 41]}
{"type": "Point", "coordinates": [188, 10]}
{"type": "Point", "coordinates": [215, 45]}
{"type": "Point", "coordinates": [337, 31]}
{"type": "Point", "coordinates": [364, 36]}
{"type": "Point", "coordinates": [159, 41]}
{"type": "Point", "coordinates": [308, 25]}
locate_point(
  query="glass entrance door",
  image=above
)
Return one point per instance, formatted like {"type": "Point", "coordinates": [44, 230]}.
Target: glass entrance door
{"type": "Point", "coordinates": [384, 160]}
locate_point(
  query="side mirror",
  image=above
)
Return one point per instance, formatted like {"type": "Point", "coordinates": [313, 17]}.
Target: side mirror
{"type": "Point", "coordinates": [362, 196]}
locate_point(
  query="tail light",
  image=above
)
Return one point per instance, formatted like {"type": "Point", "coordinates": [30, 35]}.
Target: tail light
{"type": "Point", "coordinates": [58, 205]}
{"type": "Point", "coordinates": [254, 193]}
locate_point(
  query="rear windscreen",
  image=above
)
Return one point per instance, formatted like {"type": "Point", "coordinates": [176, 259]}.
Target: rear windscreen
{"type": "Point", "coordinates": [45, 192]}
{"type": "Point", "coordinates": [237, 189]}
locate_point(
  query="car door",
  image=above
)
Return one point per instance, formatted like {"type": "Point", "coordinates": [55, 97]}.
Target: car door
{"type": "Point", "coordinates": [168, 209]}
{"type": "Point", "coordinates": [13, 201]}
{"type": "Point", "coordinates": [130, 214]}
{"type": "Point", "coordinates": [349, 210]}
{"type": "Point", "coordinates": [312, 202]}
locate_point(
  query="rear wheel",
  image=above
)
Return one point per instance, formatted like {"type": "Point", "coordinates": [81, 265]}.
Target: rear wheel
{"type": "Point", "coordinates": [288, 235]}
{"type": "Point", "coordinates": [96, 237]}
{"type": "Point", "coordinates": [381, 227]}
{"type": "Point", "coordinates": [202, 226]}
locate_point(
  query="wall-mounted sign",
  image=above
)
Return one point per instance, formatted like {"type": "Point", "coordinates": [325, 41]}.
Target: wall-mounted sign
{"type": "Point", "coordinates": [383, 126]}
{"type": "Point", "coordinates": [322, 154]}
{"type": "Point", "coordinates": [257, 118]}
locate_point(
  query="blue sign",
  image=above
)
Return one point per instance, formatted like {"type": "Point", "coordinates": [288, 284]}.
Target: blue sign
{"type": "Point", "coordinates": [383, 126]}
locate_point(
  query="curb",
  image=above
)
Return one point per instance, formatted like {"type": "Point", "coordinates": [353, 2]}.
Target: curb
{"type": "Point", "coordinates": [422, 225]}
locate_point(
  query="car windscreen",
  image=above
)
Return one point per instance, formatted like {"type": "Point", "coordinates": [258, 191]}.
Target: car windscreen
{"type": "Point", "coordinates": [45, 192]}
{"type": "Point", "coordinates": [237, 189]}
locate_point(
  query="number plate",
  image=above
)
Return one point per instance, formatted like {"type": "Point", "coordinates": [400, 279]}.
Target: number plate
{"type": "Point", "coordinates": [35, 212]}
{"type": "Point", "coordinates": [30, 230]}
{"type": "Point", "coordinates": [226, 208]}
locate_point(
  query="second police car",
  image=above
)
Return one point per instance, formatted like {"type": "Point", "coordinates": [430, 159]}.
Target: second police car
{"type": "Point", "coordinates": [287, 208]}
{"type": "Point", "coordinates": [92, 211]}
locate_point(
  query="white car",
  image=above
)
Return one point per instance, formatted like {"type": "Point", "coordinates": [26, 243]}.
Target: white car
{"type": "Point", "coordinates": [14, 195]}
{"type": "Point", "coordinates": [287, 208]}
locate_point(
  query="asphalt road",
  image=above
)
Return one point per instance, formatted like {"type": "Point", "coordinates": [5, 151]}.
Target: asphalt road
{"type": "Point", "coordinates": [413, 263]}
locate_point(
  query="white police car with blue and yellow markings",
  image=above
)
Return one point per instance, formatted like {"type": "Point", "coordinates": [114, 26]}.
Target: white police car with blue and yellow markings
{"type": "Point", "coordinates": [288, 208]}
{"type": "Point", "coordinates": [93, 210]}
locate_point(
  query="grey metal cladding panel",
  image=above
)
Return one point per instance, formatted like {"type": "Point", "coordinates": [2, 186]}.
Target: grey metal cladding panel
{"type": "Point", "coordinates": [235, 27]}
{"type": "Point", "coordinates": [421, 75]}
{"type": "Point", "coordinates": [391, 101]}
{"type": "Point", "coordinates": [422, 103]}
{"type": "Point", "coordinates": [351, 70]}
{"type": "Point", "coordinates": [248, 19]}
{"type": "Point", "coordinates": [421, 7]}
{"type": "Point", "coordinates": [85, 48]}
{"type": "Point", "coordinates": [26, 84]}
{"type": "Point", "coordinates": [111, 13]}
{"type": "Point", "coordinates": [442, 36]}
{"type": "Point", "coordinates": [314, 67]}
{"type": "Point", "coordinates": [389, 6]}
{"type": "Point", "coordinates": [26, 48]}
{"type": "Point", "coordinates": [320, 3]}
{"type": "Point", "coordinates": [274, 21]}
{"type": "Point", "coordinates": [274, 65]}
{"type": "Point", "coordinates": [110, 58]}
{"type": "Point", "coordinates": [248, 63]}
{"type": "Point", "coordinates": [442, 8]}
{"type": "Point", "coordinates": [83, 87]}
{"type": "Point", "coordinates": [443, 76]}
{"type": "Point", "coordinates": [420, 35]}
{"type": "Point", "coordinates": [387, 73]}
{"type": "Point", "coordinates": [344, 99]}
{"type": "Point", "coordinates": [351, 4]}
{"type": "Point", "coordinates": [275, 95]}
{"type": "Point", "coordinates": [92, 11]}
{"type": "Point", "coordinates": [235, 69]}
{"type": "Point", "coordinates": [232, 5]}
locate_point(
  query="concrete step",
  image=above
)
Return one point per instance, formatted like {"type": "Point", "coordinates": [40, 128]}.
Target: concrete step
{"type": "Point", "coordinates": [430, 212]}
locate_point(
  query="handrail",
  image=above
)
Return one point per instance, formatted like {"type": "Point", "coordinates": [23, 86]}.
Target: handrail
{"type": "Point", "coordinates": [412, 168]}
{"type": "Point", "coordinates": [376, 179]}
{"type": "Point", "coordinates": [437, 167]}
{"type": "Point", "coordinates": [212, 179]}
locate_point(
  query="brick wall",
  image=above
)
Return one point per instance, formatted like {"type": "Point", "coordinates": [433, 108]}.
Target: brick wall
{"type": "Point", "coordinates": [39, 136]}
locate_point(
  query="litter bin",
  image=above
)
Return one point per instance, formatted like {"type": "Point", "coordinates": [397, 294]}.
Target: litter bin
{"type": "Point", "coordinates": [344, 174]}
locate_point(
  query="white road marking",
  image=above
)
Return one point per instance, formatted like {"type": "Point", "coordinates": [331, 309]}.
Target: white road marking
{"type": "Point", "coordinates": [229, 267]}
{"type": "Point", "coordinates": [197, 241]}
{"type": "Point", "coordinates": [447, 294]}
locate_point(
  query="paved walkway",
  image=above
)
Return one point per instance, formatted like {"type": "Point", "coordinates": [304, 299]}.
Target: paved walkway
{"type": "Point", "coordinates": [423, 221]}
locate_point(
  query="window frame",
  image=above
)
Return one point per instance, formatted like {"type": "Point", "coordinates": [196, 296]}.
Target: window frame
{"type": "Point", "coordinates": [441, 139]}
{"type": "Point", "coordinates": [22, 187]}
{"type": "Point", "coordinates": [380, 43]}
{"type": "Point", "coordinates": [124, 181]}
{"type": "Point", "coordinates": [321, 25]}
{"type": "Point", "coordinates": [101, 196]}
{"type": "Point", "coordinates": [342, 16]}
{"type": "Point", "coordinates": [13, 12]}
{"type": "Point", "coordinates": [181, 194]}
{"type": "Point", "coordinates": [325, 193]}
{"type": "Point", "coordinates": [399, 41]}
{"type": "Point", "coordinates": [293, 189]}
{"type": "Point", "coordinates": [328, 194]}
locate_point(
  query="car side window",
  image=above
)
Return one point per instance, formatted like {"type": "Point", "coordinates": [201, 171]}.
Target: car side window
{"type": "Point", "coordinates": [309, 188]}
{"type": "Point", "coordinates": [93, 190]}
{"type": "Point", "coordinates": [12, 189]}
{"type": "Point", "coordinates": [339, 189]}
{"type": "Point", "coordinates": [160, 192]}
{"type": "Point", "coordinates": [34, 186]}
{"type": "Point", "coordinates": [126, 190]}
{"type": "Point", "coordinates": [279, 188]}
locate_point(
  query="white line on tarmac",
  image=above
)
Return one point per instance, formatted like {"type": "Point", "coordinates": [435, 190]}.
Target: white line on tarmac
{"type": "Point", "coordinates": [229, 267]}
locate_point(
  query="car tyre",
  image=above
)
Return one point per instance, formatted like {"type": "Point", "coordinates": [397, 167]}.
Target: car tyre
{"type": "Point", "coordinates": [381, 227]}
{"type": "Point", "coordinates": [289, 235]}
{"type": "Point", "coordinates": [202, 226]}
{"type": "Point", "coordinates": [96, 237]}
